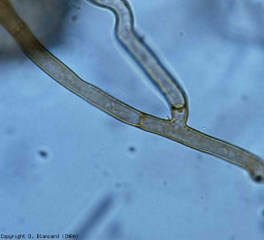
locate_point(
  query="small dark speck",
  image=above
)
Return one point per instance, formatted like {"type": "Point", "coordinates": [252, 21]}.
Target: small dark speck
{"type": "Point", "coordinates": [181, 34]}
{"type": "Point", "coordinates": [258, 179]}
{"type": "Point", "coordinates": [132, 149]}
{"type": "Point", "coordinates": [74, 18]}
{"type": "Point", "coordinates": [43, 153]}
{"type": "Point", "coordinates": [141, 38]}
{"type": "Point", "coordinates": [173, 108]}
{"type": "Point", "coordinates": [263, 213]}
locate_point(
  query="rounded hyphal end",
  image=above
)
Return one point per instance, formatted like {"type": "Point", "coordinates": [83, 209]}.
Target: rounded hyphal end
{"type": "Point", "coordinates": [258, 178]}
{"type": "Point", "coordinates": [258, 174]}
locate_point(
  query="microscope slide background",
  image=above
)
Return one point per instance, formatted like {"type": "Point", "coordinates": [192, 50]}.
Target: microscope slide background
{"type": "Point", "coordinates": [67, 167]}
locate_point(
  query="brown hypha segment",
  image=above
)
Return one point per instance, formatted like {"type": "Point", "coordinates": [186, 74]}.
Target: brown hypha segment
{"type": "Point", "coordinates": [175, 128]}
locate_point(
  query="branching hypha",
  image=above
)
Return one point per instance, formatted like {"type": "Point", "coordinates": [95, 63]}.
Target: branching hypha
{"type": "Point", "coordinates": [175, 128]}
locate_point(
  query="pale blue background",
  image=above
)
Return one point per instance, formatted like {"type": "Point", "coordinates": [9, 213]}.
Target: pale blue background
{"type": "Point", "coordinates": [161, 190]}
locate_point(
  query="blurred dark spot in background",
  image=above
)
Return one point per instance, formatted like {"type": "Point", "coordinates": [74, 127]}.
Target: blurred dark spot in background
{"type": "Point", "coordinates": [46, 18]}
{"type": "Point", "coordinates": [132, 149]}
